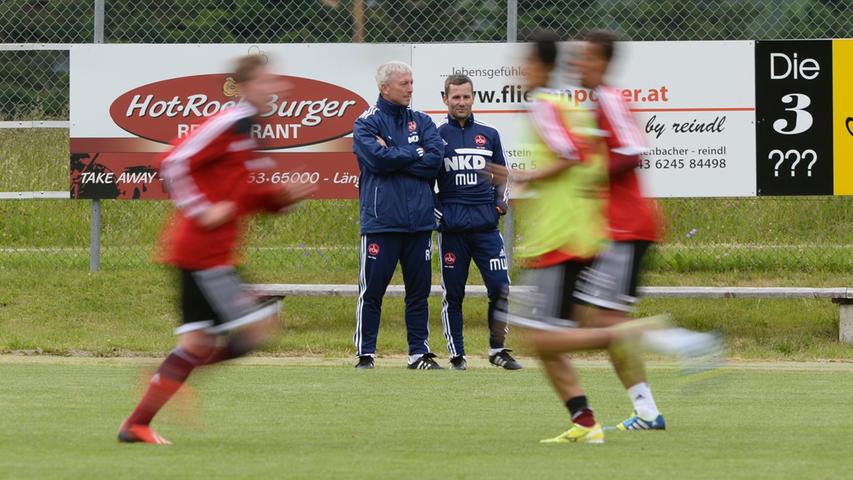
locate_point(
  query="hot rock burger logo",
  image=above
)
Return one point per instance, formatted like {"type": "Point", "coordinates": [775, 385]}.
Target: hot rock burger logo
{"type": "Point", "coordinates": [312, 112]}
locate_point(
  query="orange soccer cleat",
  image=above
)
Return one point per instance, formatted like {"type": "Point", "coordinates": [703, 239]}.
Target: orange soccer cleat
{"type": "Point", "coordinates": [140, 434]}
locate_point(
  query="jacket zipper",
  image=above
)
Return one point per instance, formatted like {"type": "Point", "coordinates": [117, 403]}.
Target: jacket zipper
{"type": "Point", "coordinates": [375, 194]}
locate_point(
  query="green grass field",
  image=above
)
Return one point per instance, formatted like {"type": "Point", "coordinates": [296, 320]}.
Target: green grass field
{"type": "Point", "coordinates": [303, 418]}
{"type": "Point", "coordinates": [51, 303]}
{"type": "Point", "coordinates": [133, 312]}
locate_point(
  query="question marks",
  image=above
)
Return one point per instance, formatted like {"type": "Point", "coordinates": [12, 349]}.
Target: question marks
{"type": "Point", "coordinates": [781, 159]}
{"type": "Point", "coordinates": [797, 157]}
{"type": "Point", "coordinates": [811, 164]}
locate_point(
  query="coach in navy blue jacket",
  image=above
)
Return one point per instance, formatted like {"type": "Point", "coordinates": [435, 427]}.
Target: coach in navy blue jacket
{"type": "Point", "coordinates": [399, 155]}
{"type": "Point", "coordinates": [470, 204]}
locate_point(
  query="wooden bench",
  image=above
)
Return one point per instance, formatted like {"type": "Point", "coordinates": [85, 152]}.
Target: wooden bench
{"type": "Point", "coordinates": [843, 296]}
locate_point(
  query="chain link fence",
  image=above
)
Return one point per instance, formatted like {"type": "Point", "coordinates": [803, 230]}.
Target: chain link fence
{"type": "Point", "coordinates": [751, 240]}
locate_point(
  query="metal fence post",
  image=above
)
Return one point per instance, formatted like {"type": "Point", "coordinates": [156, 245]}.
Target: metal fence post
{"type": "Point", "coordinates": [99, 21]}
{"type": "Point", "coordinates": [95, 237]}
{"type": "Point", "coordinates": [511, 21]}
{"type": "Point", "coordinates": [95, 226]}
{"type": "Point", "coordinates": [508, 237]}
{"type": "Point", "coordinates": [511, 37]}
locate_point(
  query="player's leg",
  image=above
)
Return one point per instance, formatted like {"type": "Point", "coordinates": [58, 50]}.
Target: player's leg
{"type": "Point", "coordinates": [554, 330]}
{"type": "Point", "coordinates": [610, 287]}
{"type": "Point", "coordinates": [379, 255]}
{"type": "Point", "coordinates": [245, 321]}
{"type": "Point", "coordinates": [455, 261]}
{"type": "Point", "coordinates": [416, 262]}
{"type": "Point", "coordinates": [563, 378]}
{"type": "Point", "coordinates": [195, 344]}
{"type": "Point", "coordinates": [488, 252]}
{"type": "Point", "coordinates": [555, 286]}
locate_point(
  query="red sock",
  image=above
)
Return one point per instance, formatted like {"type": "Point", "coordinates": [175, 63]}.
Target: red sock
{"type": "Point", "coordinates": [584, 418]}
{"type": "Point", "coordinates": [580, 411]}
{"type": "Point", "coordinates": [169, 377]}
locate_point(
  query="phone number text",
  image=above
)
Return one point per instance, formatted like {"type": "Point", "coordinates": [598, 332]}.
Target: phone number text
{"type": "Point", "coordinates": [681, 163]}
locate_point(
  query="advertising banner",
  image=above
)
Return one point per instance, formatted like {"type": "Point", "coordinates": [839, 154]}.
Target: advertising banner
{"type": "Point", "coordinates": [842, 118]}
{"type": "Point", "coordinates": [794, 154]}
{"type": "Point", "coordinates": [694, 100]}
{"type": "Point", "coordinates": [721, 118]}
{"type": "Point", "coordinates": [129, 101]}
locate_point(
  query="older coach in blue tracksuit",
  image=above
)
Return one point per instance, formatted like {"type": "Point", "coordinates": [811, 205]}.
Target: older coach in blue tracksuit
{"type": "Point", "coordinates": [469, 206]}
{"type": "Point", "coordinates": [399, 154]}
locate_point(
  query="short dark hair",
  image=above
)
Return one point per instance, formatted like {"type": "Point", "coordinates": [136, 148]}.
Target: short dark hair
{"type": "Point", "coordinates": [245, 66]}
{"type": "Point", "coordinates": [456, 79]}
{"type": "Point", "coordinates": [605, 39]}
{"type": "Point", "coordinates": [545, 46]}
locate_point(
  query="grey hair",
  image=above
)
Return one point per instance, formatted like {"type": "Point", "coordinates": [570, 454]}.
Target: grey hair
{"type": "Point", "coordinates": [386, 70]}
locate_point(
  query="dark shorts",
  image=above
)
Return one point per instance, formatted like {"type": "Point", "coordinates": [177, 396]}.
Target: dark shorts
{"type": "Point", "coordinates": [216, 302]}
{"type": "Point", "coordinates": [545, 299]}
{"type": "Point", "coordinates": [612, 280]}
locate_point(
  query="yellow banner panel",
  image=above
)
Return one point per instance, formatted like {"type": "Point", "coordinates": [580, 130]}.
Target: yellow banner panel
{"type": "Point", "coordinates": [842, 116]}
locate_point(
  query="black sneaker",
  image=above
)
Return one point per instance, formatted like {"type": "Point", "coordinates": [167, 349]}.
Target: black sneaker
{"type": "Point", "coordinates": [505, 360]}
{"type": "Point", "coordinates": [425, 362]}
{"type": "Point", "coordinates": [459, 363]}
{"type": "Point", "coordinates": [365, 362]}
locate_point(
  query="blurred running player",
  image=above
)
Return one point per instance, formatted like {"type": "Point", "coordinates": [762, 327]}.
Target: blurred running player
{"type": "Point", "coordinates": [562, 228]}
{"type": "Point", "coordinates": [207, 177]}
{"type": "Point", "coordinates": [610, 284]}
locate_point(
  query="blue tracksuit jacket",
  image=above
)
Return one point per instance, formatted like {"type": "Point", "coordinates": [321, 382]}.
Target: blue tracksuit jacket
{"type": "Point", "coordinates": [467, 197]}
{"type": "Point", "coordinates": [395, 186]}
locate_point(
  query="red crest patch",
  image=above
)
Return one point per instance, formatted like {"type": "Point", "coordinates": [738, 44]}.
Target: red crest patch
{"type": "Point", "coordinates": [413, 126]}
{"type": "Point", "coordinates": [449, 258]}
{"type": "Point", "coordinates": [373, 249]}
{"type": "Point", "coordinates": [480, 140]}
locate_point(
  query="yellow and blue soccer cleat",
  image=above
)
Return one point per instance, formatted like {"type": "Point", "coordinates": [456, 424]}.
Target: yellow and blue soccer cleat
{"type": "Point", "coordinates": [579, 434]}
{"type": "Point", "coordinates": [634, 422]}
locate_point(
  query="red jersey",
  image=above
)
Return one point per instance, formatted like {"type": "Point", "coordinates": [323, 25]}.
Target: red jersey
{"type": "Point", "coordinates": [210, 165]}
{"type": "Point", "coordinates": [631, 215]}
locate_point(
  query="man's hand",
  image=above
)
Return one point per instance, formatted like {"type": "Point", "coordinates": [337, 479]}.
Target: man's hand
{"type": "Point", "coordinates": [501, 208]}
{"type": "Point", "coordinates": [217, 215]}
{"type": "Point", "coordinates": [501, 174]}
{"type": "Point", "coordinates": [381, 142]}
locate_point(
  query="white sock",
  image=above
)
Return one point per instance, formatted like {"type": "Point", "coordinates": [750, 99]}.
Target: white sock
{"type": "Point", "coordinates": [495, 351]}
{"type": "Point", "coordinates": [414, 358]}
{"type": "Point", "coordinates": [644, 403]}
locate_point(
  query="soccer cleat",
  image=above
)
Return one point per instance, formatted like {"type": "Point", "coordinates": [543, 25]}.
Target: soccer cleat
{"type": "Point", "coordinates": [504, 359]}
{"type": "Point", "coordinates": [634, 422]}
{"type": "Point", "coordinates": [364, 362]}
{"type": "Point", "coordinates": [579, 434]}
{"type": "Point", "coordinates": [458, 363]}
{"type": "Point", "coordinates": [425, 362]}
{"type": "Point", "coordinates": [140, 434]}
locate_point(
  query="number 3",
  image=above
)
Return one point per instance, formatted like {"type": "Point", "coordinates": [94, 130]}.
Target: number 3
{"type": "Point", "coordinates": [802, 121]}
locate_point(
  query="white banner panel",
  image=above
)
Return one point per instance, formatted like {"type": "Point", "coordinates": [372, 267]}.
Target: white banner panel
{"type": "Point", "coordinates": [129, 101]}
{"type": "Point", "coordinates": [102, 73]}
{"type": "Point", "coordinates": [695, 100]}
